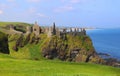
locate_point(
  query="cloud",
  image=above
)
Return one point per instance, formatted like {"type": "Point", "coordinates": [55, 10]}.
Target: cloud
{"type": "Point", "coordinates": [63, 0]}
{"type": "Point", "coordinates": [33, 0]}
{"type": "Point", "coordinates": [64, 9]}
{"type": "Point", "coordinates": [71, 1]}
{"type": "Point", "coordinates": [3, 6]}
{"type": "Point", "coordinates": [32, 10]}
{"type": "Point", "coordinates": [1, 12]}
{"type": "Point", "coordinates": [11, 0]}
{"type": "Point", "coordinates": [42, 15]}
{"type": "Point", "coordinates": [69, 5]}
{"type": "Point", "coordinates": [75, 1]}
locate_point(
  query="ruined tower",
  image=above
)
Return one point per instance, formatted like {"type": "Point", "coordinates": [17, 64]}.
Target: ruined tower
{"type": "Point", "coordinates": [36, 29]}
{"type": "Point", "coordinates": [84, 31]}
{"type": "Point", "coordinates": [28, 30]}
{"type": "Point", "coordinates": [54, 29]}
{"type": "Point", "coordinates": [12, 27]}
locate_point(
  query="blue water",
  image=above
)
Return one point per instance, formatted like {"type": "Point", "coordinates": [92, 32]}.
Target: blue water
{"type": "Point", "coordinates": [106, 41]}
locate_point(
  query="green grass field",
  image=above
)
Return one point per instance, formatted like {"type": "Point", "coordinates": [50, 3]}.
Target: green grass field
{"type": "Point", "coordinates": [4, 26]}
{"type": "Point", "coordinates": [22, 67]}
{"type": "Point", "coordinates": [13, 23]}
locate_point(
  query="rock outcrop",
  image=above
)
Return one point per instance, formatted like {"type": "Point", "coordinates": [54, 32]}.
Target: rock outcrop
{"type": "Point", "coordinates": [21, 40]}
{"type": "Point", "coordinates": [4, 43]}
{"type": "Point", "coordinates": [73, 48]}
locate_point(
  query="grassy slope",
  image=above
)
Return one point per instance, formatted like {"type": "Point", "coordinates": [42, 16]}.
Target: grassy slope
{"type": "Point", "coordinates": [29, 51]}
{"type": "Point", "coordinates": [4, 24]}
{"type": "Point", "coordinates": [14, 23]}
{"type": "Point", "coordinates": [16, 67]}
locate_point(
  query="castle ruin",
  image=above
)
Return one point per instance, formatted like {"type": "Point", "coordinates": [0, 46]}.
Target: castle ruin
{"type": "Point", "coordinates": [52, 30]}
{"type": "Point", "coordinates": [36, 29]}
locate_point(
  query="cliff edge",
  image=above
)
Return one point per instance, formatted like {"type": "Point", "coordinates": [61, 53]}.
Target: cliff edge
{"type": "Point", "coordinates": [71, 48]}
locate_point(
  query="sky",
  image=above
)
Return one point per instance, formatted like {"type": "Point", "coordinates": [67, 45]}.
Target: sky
{"type": "Point", "coordinates": [73, 13]}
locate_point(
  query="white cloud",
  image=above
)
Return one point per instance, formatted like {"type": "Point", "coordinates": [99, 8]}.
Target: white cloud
{"type": "Point", "coordinates": [1, 12]}
{"type": "Point", "coordinates": [63, 0]}
{"type": "Point", "coordinates": [71, 1]}
{"type": "Point", "coordinates": [33, 0]}
{"type": "Point", "coordinates": [10, 0]}
{"type": "Point", "coordinates": [3, 6]}
{"type": "Point", "coordinates": [32, 10]}
{"type": "Point", "coordinates": [69, 5]}
{"type": "Point", "coordinates": [75, 1]}
{"type": "Point", "coordinates": [42, 15]}
{"type": "Point", "coordinates": [64, 8]}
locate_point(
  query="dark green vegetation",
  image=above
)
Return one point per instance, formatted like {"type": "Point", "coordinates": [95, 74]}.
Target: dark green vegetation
{"type": "Point", "coordinates": [17, 67]}
{"type": "Point", "coordinates": [4, 43]}
{"type": "Point", "coordinates": [28, 55]}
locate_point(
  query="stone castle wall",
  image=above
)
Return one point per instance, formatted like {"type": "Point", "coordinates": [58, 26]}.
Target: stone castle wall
{"type": "Point", "coordinates": [53, 30]}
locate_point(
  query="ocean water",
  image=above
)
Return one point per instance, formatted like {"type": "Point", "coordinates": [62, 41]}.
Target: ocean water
{"type": "Point", "coordinates": [106, 41]}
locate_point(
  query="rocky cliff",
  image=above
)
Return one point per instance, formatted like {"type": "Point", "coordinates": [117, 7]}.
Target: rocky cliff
{"type": "Point", "coordinates": [71, 48]}
{"type": "Point", "coordinates": [67, 48]}
{"type": "Point", "coordinates": [4, 43]}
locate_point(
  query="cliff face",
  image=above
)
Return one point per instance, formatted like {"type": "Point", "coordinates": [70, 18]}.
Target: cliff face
{"type": "Point", "coordinates": [21, 40]}
{"type": "Point", "coordinates": [66, 48]}
{"type": "Point", "coordinates": [71, 48]}
{"type": "Point", "coordinates": [4, 43]}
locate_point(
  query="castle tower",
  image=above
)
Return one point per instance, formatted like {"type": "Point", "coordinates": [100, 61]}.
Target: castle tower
{"type": "Point", "coordinates": [35, 22]}
{"type": "Point", "coordinates": [54, 29]}
{"type": "Point", "coordinates": [70, 29]}
{"type": "Point", "coordinates": [12, 27]}
{"type": "Point", "coordinates": [28, 30]}
{"type": "Point", "coordinates": [36, 29]}
{"type": "Point", "coordinates": [49, 32]}
{"type": "Point", "coordinates": [84, 31]}
{"type": "Point", "coordinates": [77, 29]}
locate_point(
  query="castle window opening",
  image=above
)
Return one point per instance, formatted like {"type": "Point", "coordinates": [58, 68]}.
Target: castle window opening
{"type": "Point", "coordinates": [34, 29]}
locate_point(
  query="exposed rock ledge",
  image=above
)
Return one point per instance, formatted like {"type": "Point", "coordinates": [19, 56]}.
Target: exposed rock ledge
{"type": "Point", "coordinates": [71, 48]}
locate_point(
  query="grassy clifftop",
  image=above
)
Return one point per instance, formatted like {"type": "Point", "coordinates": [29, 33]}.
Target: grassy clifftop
{"type": "Point", "coordinates": [2, 24]}
{"type": "Point", "coordinates": [20, 26]}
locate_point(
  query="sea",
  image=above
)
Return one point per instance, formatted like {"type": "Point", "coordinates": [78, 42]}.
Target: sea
{"type": "Point", "coordinates": [106, 41]}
